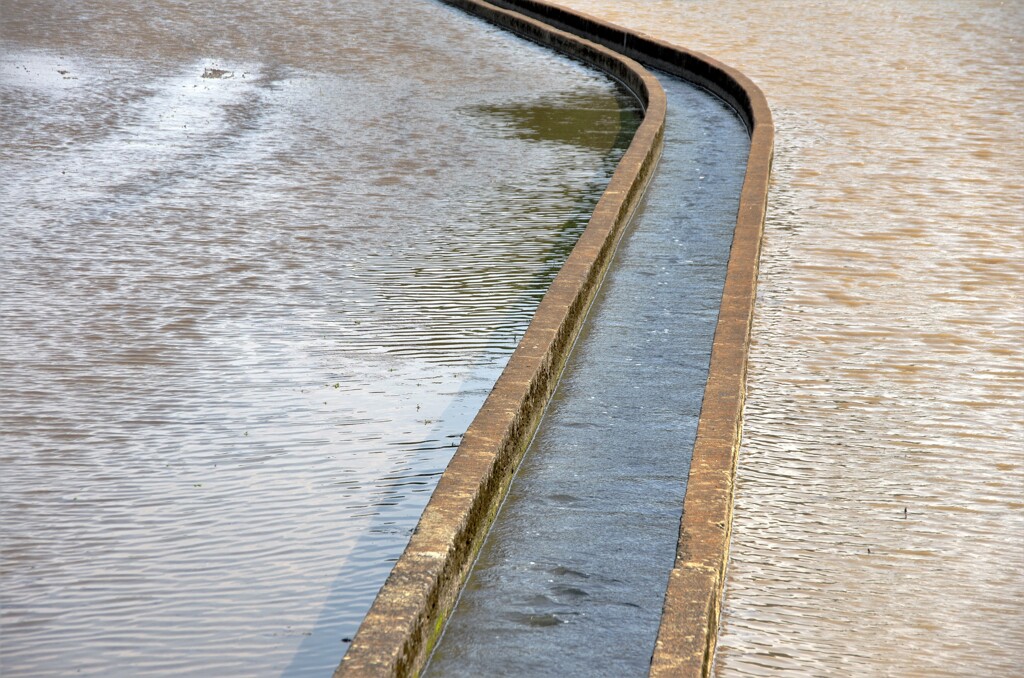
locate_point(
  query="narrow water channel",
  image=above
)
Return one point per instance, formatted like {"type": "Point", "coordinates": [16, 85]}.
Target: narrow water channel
{"type": "Point", "coordinates": [261, 263]}
{"type": "Point", "coordinates": [879, 524]}
{"type": "Point", "coordinates": [571, 579]}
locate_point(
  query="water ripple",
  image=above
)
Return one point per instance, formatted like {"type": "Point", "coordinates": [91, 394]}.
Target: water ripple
{"type": "Point", "coordinates": [260, 271]}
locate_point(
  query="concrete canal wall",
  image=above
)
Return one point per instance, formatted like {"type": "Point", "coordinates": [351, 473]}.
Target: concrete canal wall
{"type": "Point", "coordinates": [409, 613]}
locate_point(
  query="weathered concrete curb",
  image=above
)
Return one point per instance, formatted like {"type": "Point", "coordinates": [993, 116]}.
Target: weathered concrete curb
{"type": "Point", "coordinates": [407, 616]}
{"type": "Point", "coordinates": [688, 632]}
{"type": "Point", "coordinates": [690, 617]}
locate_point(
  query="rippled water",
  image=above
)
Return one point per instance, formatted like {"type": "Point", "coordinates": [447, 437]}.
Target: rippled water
{"type": "Point", "coordinates": [261, 263]}
{"type": "Point", "coordinates": [878, 526]}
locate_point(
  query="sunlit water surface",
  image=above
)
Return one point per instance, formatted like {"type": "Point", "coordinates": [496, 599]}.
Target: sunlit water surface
{"type": "Point", "coordinates": [261, 263]}
{"type": "Point", "coordinates": [879, 526]}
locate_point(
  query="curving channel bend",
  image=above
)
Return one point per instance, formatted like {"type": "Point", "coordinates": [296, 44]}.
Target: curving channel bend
{"type": "Point", "coordinates": [410, 611]}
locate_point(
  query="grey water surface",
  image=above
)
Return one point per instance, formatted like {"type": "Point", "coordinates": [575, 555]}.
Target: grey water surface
{"type": "Point", "coordinates": [260, 264]}
{"type": "Point", "coordinates": [573, 574]}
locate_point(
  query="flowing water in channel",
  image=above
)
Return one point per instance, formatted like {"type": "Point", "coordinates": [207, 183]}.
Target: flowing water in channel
{"type": "Point", "coordinates": [261, 264]}
{"type": "Point", "coordinates": [879, 511]}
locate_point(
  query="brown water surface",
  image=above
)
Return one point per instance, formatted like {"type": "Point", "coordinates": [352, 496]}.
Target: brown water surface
{"type": "Point", "coordinates": [261, 262]}
{"type": "Point", "coordinates": [879, 525]}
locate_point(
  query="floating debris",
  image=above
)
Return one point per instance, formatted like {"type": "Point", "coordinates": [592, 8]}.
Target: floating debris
{"type": "Point", "coordinates": [217, 73]}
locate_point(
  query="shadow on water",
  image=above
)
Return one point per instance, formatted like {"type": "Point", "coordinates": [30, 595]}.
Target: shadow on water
{"type": "Point", "coordinates": [573, 118]}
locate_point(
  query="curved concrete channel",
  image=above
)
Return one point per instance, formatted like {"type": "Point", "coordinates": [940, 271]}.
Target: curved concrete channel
{"type": "Point", "coordinates": [575, 567]}
{"type": "Point", "coordinates": [411, 610]}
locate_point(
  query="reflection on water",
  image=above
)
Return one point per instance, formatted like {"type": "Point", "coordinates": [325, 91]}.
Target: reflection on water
{"type": "Point", "coordinates": [547, 120]}
{"type": "Point", "coordinates": [261, 264]}
{"type": "Point", "coordinates": [878, 513]}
